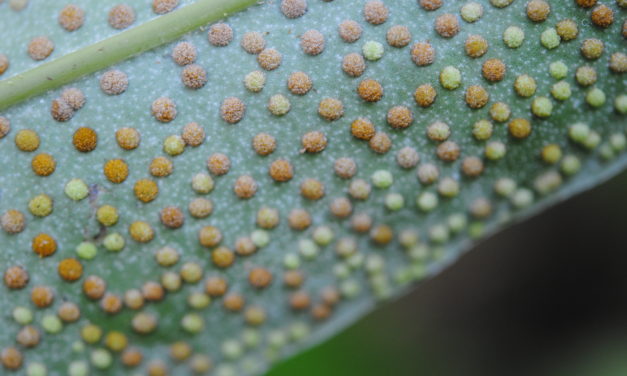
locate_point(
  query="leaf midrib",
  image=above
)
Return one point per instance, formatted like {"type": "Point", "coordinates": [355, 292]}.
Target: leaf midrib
{"type": "Point", "coordinates": [115, 49]}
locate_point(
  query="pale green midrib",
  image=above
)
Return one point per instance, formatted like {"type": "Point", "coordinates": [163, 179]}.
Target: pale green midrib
{"type": "Point", "coordinates": [112, 50]}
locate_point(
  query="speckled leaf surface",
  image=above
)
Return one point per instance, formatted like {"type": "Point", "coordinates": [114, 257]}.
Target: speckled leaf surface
{"type": "Point", "coordinates": [375, 271]}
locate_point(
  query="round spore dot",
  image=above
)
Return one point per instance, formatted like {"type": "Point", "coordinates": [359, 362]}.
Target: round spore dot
{"type": "Point", "coordinates": [269, 59]}
{"type": "Point", "coordinates": [128, 138]}
{"type": "Point", "coordinates": [267, 218]}
{"type": "Point", "coordinates": [173, 145]}
{"type": "Point", "coordinates": [472, 166]}
{"type": "Point", "coordinates": [493, 70]}
{"type": "Point", "coordinates": [430, 5]}
{"type": "Point", "coordinates": [114, 242]}
{"type": "Point", "coordinates": [172, 217]}
{"type": "Point", "coordinates": [382, 179]}
{"type": "Point", "coordinates": [519, 128]}
{"type": "Point", "coordinates": [60, 110]}
{"type": "Point", "coordinates": [13, 221]}
{"type": "Point", "coordinates": [476, 97]}
{"type": "Point", "coordinates": [538, 10]}
{"type": "Point", "coordinates": [375, 12]}
{"type": "Point", "coordinates": [164, 109]}
{"type": "Point", "coordinates": [253, 42]}
{"type": "Point", "coordinates": [362, 128]}
{"type": "Point", "coordinates": [4, 63]}
{"type": "Point", "coordinates": [620, 104]}
{"type": "Point", "coordinates": [513, 36]}
{"type": "Point", "coordinates": [281, 170]}
{"type": "Point", "coordinates": [40, 48]}
{"type": "Point", "coordinates": [27, 140]}
{"type": "Point", "coordinates": [312, 42]}
{"type": "Point", "coordinates": [11, 358]}
{"type": "Point", "coordinates": [314, 142]}
{"type": "Point", "coordinates": [370, 90]}
{"type": "Point", "coordinates": [43, 164]}
{"type": "Point", "coordinates": [5, 126]}
{"type": "Point", "coordinates": [164, 6]}
{"type": "Point", "coordinates": [353, 64]}
{"type": "Point", "coordinates": [162, 166]}
{"type": "Point", "coordinates": [193, 134]}
{"type": "Point", "coordinates": [542, 107]}
{"type": "Point", "coordinates": [501, 3]}
{"type": "Point", "coordinates": [425, 95]}
{"type": "Point", "coordinates": [602, 16]}
{"type": "Point", "coordinates": [114, 82]}
{"type": "Point", "coordinates": [595, 97]}
{"type": "Point", "coordinates": [71, 17]}
{"type": "Point", "coordinates": [550, 39]}
{"type": "Point", "coordinates": [495, 150]}
{"type": "Point", "coordinates": [194, 76]}
{"type": "Point", "coordinates": [293, 8]}
{"type": "Point", "coordinates": [299, 83]}
{"type": "Point", "coordinates": [380, 143]}
{"type": "Point", "coordinates": [618, 62]}
{"type": "Point", "coordinates": [586, 3]}
{"type": "Point", "coordinates": [450, 78]}
{"type": "Point", "coordinates": [76, 189]}
{"type": "Point", "coordinates": [448, 151]}
{"type": "Point", "coordinates": [200, 207]}
{"type": "Point", "coordinates": [561, 90]}
{"type": "Point", "coordinates": [592, 48]}
{"type": "Point", "coordinates": [232, 110]}
{"type": "Point", "coordinates": [202, 183]}
{"type": "Point", "coordinates": [372, 50]}
{"type": "Point", "coordinates": [525, 85]}
{"type": "Point", "coordinates": [350, 31]}
{"type": "Point", "coordinates": [255, 81]}
{"type": "Point", "coordinates": [400, 117]}
{"type": "Point", "coordinates": [482, 130]}
{"type": "Point", "coordinates": [331, 109]}
{"type": "Point", "coordinates": [145, 190]}
{"type": "Point", "coordinates": [359, 189]}
{"type": "Point", "coordinates": [447, 25]}
{"type": "Point", "coordinates": [312, 189]}
{"type": "Point", "coordinates": [345, 167]}
{"type": "Point", "coordinates": [341, 207]}
{"type": "Point", "coordinates": [567, 29]}
{"type": "Point", "coordinates": [476, 46]}
{"type": "Point", "coordinates": [299, 219]}
{"type": "Point", "coordinates": [558, 70]}
{"type": "Point", "coordinates": [427, 173]}
{"type": "Point", "coordinates": [220, 34]}
{"type": "Point", "coordinates": [218, 164]}
{"type": "Point", "coordinates": [85, 139]}
{"type": "Point", "coordinates": [500, 112]}
{"type": "Point", "coordinates": [407, 157]}
{"type": "Point", "coordinates": [586, 75]}
{"type": "Point", "coordinates": [16, 277]}
{"type": "Point", "coordinates": [184, 53]}
{"type": "Point", "coordinates": [121, 16]}
{"type": "Point", "coordinates": [471, 12]}
{"type": "Point", "coordinates": [264, 144]}
{"type": "Point", "coordinates": [438, 131]}
{"type": "Point", "coordinates": [279, 105]}
{"type": "Point", "coordinates": [398, 36]}
{"type": "Point", "coordinates": [74, 97]}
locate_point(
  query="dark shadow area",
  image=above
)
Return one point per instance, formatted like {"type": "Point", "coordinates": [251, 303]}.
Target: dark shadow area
{"type": "Point", "coordinates": [546, 297]}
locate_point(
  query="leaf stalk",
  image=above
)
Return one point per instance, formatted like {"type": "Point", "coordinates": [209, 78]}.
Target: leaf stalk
{"type": "Point", "coordinates": [119, 47]}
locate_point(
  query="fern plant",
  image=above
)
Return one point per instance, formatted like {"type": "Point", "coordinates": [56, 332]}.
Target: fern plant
{"type": "Point", "coordinates": [191, 187]}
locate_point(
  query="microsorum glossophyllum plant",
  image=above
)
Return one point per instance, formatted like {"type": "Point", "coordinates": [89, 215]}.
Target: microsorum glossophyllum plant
{"type": "Point", "coordinates": [188, 187]}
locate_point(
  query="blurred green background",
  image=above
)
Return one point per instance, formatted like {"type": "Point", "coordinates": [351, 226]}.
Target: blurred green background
{"type": "Point", "coordinates": [545, 297]}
